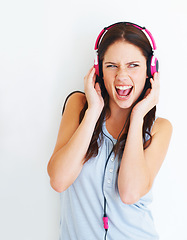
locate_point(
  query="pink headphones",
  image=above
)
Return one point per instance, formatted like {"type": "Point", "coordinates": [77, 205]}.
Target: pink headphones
{"type": "Point", "coordinates": [152, 62]}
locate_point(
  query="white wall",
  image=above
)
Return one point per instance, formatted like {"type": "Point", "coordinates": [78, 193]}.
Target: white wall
{"type": "Point", "coordinates": [46, 48]}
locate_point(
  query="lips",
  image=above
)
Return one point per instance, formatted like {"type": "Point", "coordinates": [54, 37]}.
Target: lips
{"type": "Point", "coordinates": [124, 91]}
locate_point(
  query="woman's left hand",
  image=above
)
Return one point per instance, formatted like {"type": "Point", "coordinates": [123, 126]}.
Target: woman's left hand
{"type": "Point", "coordinates": [150, 99]}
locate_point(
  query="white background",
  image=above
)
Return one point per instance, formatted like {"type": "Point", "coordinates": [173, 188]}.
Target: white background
{"type": "Point", "coordinates": [46, 49]}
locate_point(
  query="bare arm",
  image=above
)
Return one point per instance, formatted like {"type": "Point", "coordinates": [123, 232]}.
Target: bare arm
{"type": "Point", "coordinates": [74, 139]}
{"type": "Point", "coordinates": [139, 167]}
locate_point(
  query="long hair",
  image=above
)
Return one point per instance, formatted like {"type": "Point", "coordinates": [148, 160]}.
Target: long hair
{"type": "Point", "coordinates": [132, 35]}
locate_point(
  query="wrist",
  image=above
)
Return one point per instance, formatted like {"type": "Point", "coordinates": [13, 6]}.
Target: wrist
{"type": "Point", "coordinates": [93, 114]}
{"type": "Point", "coordinates": [136, 118]}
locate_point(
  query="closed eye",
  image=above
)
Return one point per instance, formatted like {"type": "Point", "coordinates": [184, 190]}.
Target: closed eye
{"type": "Point", "coordinates": [111, 66]}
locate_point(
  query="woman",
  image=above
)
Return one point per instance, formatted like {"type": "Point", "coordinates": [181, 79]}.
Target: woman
{"type": "Point", "coordinates": [110, 146]}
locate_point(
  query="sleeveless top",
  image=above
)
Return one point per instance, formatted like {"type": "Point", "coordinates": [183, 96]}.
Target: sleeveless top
{"type": "Point", "coordinates": [83, 202]}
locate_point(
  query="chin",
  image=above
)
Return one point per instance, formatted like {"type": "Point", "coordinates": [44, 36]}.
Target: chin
{"type": "Point", "coordinates": [125, 105]}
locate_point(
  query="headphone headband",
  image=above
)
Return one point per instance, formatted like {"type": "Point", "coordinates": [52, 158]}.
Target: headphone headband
{"type": "Point", "coordinates": [144, 30]}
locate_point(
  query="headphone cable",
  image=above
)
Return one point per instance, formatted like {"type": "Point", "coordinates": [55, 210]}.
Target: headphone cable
{"type": "Point", "coordinates": [105, 218]}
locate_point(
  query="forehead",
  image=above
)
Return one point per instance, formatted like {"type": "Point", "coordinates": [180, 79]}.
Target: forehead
{"type": "Point", "coordinates": [123, 51]}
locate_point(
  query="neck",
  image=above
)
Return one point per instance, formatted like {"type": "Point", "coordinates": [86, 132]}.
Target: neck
{"type": "Point", "coordinates": [118, 114]}
{"type": "Point", "coordinates": [117, 119]}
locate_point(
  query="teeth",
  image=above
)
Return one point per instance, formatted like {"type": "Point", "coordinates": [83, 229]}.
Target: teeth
{"type": "Point", "coordinates": [123, 87]}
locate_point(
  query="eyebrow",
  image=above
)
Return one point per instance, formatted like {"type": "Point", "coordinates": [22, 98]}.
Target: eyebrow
{"type": "Point", "coordinates": [126, 63]}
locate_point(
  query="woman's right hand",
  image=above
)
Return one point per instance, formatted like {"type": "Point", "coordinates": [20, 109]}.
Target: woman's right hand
{"type": "Point", "coordinates": [93, 92]}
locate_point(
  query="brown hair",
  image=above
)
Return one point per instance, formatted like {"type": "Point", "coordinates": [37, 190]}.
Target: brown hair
{"type": "Point", "coordinates": [135, 36]}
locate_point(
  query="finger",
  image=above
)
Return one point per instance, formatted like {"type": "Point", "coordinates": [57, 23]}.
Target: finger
{"type": "Point", "coordinates": [156, 76]}
{"type": "Point", "coordinates": [152, 82]}
{"type": "Point", "coordinates": [90, 74]}
{"type": "Point", "coordinates": [97, 88]}
{"type": "Point", "coordinates": [91, 69]}
{"type": "Point", "coordinates": [155, 85]}
{"type": "Point", "coordinates": [155, 81]}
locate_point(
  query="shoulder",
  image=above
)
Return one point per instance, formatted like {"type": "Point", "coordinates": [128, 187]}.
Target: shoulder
{"type": "Point", "coordinates": [162, 127]}
{"type": "Point", "coordinates": [74, 103]}
{"type": "Point", "coordinates": [161, 124]}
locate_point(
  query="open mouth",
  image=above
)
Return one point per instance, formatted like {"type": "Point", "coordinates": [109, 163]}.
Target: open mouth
{"type": "Point", "coordinates": [124, 91]}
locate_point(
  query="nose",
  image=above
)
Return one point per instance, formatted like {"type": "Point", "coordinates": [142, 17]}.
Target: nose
{"type": "Point", "coordinates": [122, 74]}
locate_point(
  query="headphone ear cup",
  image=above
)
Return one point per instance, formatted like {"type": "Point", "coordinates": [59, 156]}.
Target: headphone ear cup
{"type": "Point", "coordinates": [155, 67]}
{"type": "Point", "coordinates": [96, 65]}
{"type": "Point", "coordinates": [152, 66]}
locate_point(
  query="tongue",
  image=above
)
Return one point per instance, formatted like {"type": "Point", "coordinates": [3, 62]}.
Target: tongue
{"type": "Point", "coordinates": [123, 92]}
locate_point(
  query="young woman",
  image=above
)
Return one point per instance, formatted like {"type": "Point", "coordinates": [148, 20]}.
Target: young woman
{"type": "Point", "coordinates": [110, 145]}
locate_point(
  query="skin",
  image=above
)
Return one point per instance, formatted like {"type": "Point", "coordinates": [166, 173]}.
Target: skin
{"type": "Point", "coordinates": [123, 64]}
